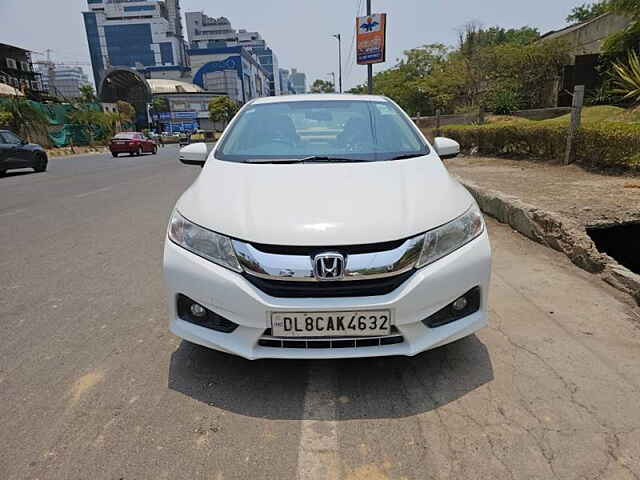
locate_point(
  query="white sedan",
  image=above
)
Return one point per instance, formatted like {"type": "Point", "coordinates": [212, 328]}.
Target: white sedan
{"type": "Point", "coordinates": [325, 226]}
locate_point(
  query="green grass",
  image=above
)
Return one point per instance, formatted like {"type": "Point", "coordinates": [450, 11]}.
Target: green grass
{"type": "Point", "coordinates": [600, 113]}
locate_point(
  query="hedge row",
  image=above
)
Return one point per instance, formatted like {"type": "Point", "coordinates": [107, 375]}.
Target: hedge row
{"type": "Point", "coordinates": [602, 145]}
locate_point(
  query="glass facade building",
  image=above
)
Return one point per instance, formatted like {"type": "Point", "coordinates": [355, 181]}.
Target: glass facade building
{"type": "Point", "coordinates": [145, 35]}
{"type": "Point", "coordinates": [205, 32]}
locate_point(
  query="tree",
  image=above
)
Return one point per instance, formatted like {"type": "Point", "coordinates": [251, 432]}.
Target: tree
{"type": "Point", "coordinates": [474, 36]}
{"type": "Point", "coordinates": [630, 8]}
{"type": "Point", "coordinates": [500, 69]}
{"type": "Point", "coordinates": [617, 44]}
{"type": "Point", "coordinates": [587, 11]}
{"type": "Point", "coordinates": [322, 86]}
{"type": "Point", "coordinates": [87, 94]}
{"type": "Point", "coordinates": [126, 111]}
{"type": "Point", "coordinates": [88, 120]}
{"type": "Point", "coordinates": [160, 105]}
{"type": "Point", "coordinates": [23, 118]}
{"type": "Point", "coordinates": [222, 109]}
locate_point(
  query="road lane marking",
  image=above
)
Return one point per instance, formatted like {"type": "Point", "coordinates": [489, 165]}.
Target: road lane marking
{"type": "Point", "coordinates": [81, 195]}
{"type": "Point", "coordinates": [13, 212]}
{"type": "Point", "coordinates": [318, 450]}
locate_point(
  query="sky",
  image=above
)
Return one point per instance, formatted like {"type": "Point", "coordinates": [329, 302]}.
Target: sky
{"type": "Point", "coordinates": [299, 31]}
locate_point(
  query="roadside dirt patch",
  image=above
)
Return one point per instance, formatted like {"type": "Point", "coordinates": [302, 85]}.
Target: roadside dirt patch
{"type": "Point", "coordinates": [558, 206]}
{"type": "Point", "coordinates": [570, 191]}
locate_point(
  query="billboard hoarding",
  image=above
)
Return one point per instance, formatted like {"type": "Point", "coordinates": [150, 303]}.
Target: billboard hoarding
{"type": "Point", "coordinates": [371, 38]}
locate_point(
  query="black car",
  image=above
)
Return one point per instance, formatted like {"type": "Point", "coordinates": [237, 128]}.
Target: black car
{"type": "Point", "coordinates": [16, 153]}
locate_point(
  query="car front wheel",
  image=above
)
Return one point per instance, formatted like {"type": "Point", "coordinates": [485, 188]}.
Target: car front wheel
{"type": "Point", "coordinates": [114, 155]}
{"type": "Point", "coordinates": [40, 164]}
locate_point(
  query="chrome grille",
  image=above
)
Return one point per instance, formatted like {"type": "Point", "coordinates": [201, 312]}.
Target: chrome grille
{"type": "Point", "coordinates": [361, 262]}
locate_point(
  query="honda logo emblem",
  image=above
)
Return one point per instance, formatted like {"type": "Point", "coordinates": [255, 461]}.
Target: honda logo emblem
{"type": "Point", "coordinates": [328, 266]}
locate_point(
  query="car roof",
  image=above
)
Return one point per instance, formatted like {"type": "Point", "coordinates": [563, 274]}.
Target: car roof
{"type": "Point", "coordinates": [319, 96]}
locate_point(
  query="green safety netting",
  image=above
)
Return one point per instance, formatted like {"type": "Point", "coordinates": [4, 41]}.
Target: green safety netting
{"type": "Point", "coordinates": [72, 134]}
{"type": "Point", "coordinates": [62, 133]}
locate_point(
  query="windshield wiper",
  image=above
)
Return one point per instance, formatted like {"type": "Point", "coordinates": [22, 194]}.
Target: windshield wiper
{"type": "Point", "coordinates": [408, 155]}
{"type": "Point", "coordinates": [310, 159]}
{"type": "Point", "coordinates": [319, 159]}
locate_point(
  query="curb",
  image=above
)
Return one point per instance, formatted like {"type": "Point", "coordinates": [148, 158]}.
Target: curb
{"type": "Point", "coordinates": [66, 152]}
{"type": "Point", "coordinates": [557, 232]}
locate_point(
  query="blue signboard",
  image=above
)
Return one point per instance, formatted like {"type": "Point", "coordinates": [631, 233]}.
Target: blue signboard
{"type": "Point", "coordinates": [180, 127]}
{"type": "Point", "coordinates": [185, 115]}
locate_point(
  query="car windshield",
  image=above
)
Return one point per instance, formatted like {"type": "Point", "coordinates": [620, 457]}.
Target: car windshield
{"type": "Point", "coordinates": [321, 129]}
{"type": "Point", "coordinates": [127, 135]}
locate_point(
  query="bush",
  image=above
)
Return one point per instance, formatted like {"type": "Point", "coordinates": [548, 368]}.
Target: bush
{"type": "Point", "coordinates": [505, 102]}
{"type": "Point", "coordinates": [601, 146]}
{"type": "Point", "coordinates": [5, 119]}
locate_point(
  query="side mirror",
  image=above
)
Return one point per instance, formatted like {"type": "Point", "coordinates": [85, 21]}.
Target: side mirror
{"type": "Point", "coordinates": [194, 154]}
{"type": "Point", "coordinates": [446, 147]}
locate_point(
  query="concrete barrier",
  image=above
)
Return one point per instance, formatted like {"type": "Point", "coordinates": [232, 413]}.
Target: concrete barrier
{"type": "Point", "coordinates": [557, 232]}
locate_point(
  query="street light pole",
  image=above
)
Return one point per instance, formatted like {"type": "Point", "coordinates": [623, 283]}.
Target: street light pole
{"type": "Point", "coordinates": [370, 66]}
{"type": "Point", "coordinates": [339, 37]}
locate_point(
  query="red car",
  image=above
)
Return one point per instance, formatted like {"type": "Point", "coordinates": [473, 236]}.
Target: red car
{"type": "Point", "coordinates": [133, 143]}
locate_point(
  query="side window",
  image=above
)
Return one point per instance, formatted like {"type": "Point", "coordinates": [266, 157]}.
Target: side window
{"type": "Point", "coordinates": [2, 142]}
{"type": "Point", "coordinates": [10, 138]}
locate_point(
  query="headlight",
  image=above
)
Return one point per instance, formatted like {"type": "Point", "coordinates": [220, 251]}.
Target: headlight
{"type": "Point", "coordinates": [205, 243]}
{"type": "Point", "coordinates": [451, 236]}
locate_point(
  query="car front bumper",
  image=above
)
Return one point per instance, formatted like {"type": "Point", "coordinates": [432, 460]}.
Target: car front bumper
{"type": "Point", "coordinates": [230, 295]}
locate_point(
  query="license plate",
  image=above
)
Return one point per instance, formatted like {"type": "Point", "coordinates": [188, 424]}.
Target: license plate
{"type": "Point", "coordinates": [331, 324]}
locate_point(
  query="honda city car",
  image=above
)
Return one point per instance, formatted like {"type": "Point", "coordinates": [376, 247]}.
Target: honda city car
{"type": "Point", "coordinates": [133, 143]}
{"type": "Point", "coordinates": [325, 226]}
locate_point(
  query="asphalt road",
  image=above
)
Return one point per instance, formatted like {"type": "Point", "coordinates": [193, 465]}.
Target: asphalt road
{"type": "Point", "coordinates": [93, 386]}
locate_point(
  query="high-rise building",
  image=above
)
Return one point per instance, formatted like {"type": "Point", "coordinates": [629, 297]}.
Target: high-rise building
{"type": "Point", "coordinates": [205, 32]}
{"type": "Point", "coordinates": [299, 81]}
{"type": "Point", "coordinates": [266, 57]}
{"type": "Point", "coordinates": [286, 87]}
{"type": "Point", "coordinates": [63, 81]}
{"type": "Point", "coordinates": [145, 35]}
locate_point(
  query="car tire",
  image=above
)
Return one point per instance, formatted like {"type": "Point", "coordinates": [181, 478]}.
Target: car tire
{"type": "Point", "coordinates": [139, 152]}
{"type": "Point", "coordinates": [114, 155]}
{"type": "Point", "coordinates": [3, 173]}
{"type": "Point", "coordinates": [40, 164]}
{"type": "Point", "coordinates": [155, 151]}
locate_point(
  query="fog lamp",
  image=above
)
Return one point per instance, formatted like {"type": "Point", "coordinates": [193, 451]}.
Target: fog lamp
{"type": "Point", "coordinates": [460, 304]}
{"type": "Point", "coordinates": [197, 310]}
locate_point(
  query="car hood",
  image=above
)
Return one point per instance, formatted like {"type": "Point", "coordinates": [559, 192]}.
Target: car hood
{"type": "Point", "coordinates": [32, 146]}
{"type": "Point", "coordinates": [324, 204]}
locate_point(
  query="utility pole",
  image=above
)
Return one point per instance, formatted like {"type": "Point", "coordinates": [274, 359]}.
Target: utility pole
{"type": "Point", "coordinates": [370, 66]}
{"type": "Point", "coordinates": [339, 37]}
